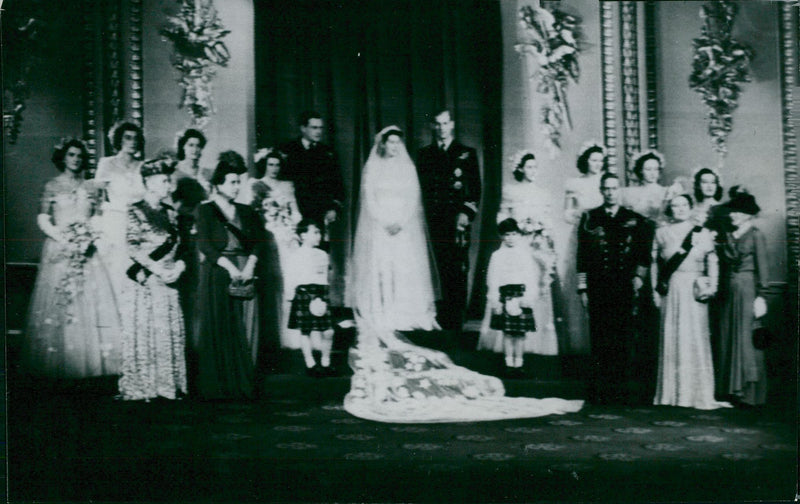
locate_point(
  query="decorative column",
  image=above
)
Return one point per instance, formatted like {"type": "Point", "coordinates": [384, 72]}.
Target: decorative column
{"type": "Point", "coordinates": [789, 68]}
{"type": "Point", "coordinates": [89, 91]}
{"type": "Point", "coordinates": [136, 62]}
{"type": "Point", "coordinates": [609, 82]}
{"type": "Point", "coordinates": [630, 81]}
{"type": "Point", "coordinates": [113, 65]}
{"type": "Point", "coordinates": [650, 73]}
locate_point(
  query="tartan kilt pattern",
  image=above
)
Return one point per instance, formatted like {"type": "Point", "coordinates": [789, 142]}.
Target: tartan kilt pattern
{"type": "Point", "coordinates": [300, 316]}
{"type": "Point", "coordinates": [513, 325]}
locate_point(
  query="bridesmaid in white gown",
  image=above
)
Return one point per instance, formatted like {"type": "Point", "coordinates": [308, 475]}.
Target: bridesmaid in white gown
{"type": "Point", "coordinates": [393, 288]}
{"type": "Point", "coordinates": [73, 329]}
{"type": "Point", "coordinates": [275, 200]}
{"type": "Point", "coordinates": [580, 194]}
{"type": "Point", "coordinates": [528, 204]}
{"type": "Point", "coordinates": [685, 367]}
{"type": "Point", "coordinates": [120, 176]}
{"type": "Point", "coordinates": [647, 197]}
{"type": "Point", "coordinates": [707, 193]}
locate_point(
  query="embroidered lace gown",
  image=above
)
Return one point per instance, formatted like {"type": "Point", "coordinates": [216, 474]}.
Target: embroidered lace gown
{"type": "Point", "coordinates": [685, 367]}
{"type": "Point", "coordinates": [154, 363]}
{"type": "Point", "coordinates": [71, 335]}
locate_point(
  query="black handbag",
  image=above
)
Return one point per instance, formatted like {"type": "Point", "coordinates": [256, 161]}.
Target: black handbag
{"type": "Point", "coordinates": [762, 336]}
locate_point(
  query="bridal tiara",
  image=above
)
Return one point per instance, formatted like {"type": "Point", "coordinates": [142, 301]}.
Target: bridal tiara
{"type": "Point", "coordinates": [592, 144]}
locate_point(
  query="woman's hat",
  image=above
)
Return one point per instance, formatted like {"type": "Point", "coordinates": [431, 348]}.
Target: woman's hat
{"type": "Point", "coordinates": [229, 162]}
{"type": "Point", "coordinates": [158, 166]}
{"type": "Point", "coordinates": [742, 201]}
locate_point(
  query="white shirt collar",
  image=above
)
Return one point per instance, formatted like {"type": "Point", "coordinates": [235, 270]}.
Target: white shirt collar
{"type": "Point", "coordinates": [306, 142]}
{"type": "Point", "coordinates": [445, 144]}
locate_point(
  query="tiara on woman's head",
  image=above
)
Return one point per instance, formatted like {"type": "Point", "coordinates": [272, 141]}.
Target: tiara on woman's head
{"type": "Point", "coordinates": [66, 140]}
{"type": "Point", "coordinates": [708, 168]}
{"type": "Point", "coordinates": [262, 153]}
{"type": "Point", "coordinates": [592, 144]}
{"type": "Point", "coordinates": [113, 129]}
{"type": "Point", "coordinates": [649, 152]}
{"type": "Point", "coordinates": [517, 157]}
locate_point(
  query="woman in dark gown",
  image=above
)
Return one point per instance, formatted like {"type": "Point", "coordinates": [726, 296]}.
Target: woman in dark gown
{"type": "Point", "coordinates": [228, 325]}
{"type": "Point", "coordinates": [742, 372]}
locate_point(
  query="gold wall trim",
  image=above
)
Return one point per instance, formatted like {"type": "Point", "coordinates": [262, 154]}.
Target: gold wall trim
{"type": "Point", "coordinates": [789, 70]}
{"type": "Point", "coordinates": [651, 73]}
{"type": "Point", "coordinates": [630, 82]}
{"type": "Point", "coordinates": [609, 82]}
{"type": "Point", "coordinates": [136, 70]}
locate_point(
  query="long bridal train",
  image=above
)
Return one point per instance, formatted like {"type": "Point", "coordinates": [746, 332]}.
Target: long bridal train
{"type": "Point", "coordinates": [399, 382]}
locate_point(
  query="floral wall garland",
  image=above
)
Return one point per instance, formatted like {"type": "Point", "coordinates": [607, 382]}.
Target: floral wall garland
{"type": "Point", "coordinates": [197, 37]}
{"type": "Point", "coordinates": [719, 67]}
{"type": "Point", "coordinates": [551, 38]}
{"type": "Point", "coordinates": [23, 44]}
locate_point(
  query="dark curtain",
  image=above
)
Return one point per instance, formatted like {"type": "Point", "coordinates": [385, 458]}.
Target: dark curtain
{"type": "Point", "coordinates": [368, 64]}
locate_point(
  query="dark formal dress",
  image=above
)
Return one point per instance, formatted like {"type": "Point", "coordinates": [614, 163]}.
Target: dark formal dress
{"type": "Point", "coordinates": [316, 176]}
{"type": "Point", "coordinates": [451, 183]}
{"type": "Point", "coordinates": [742, 370]}
{"type": "Point", "coordinates": [612, 250]}
{"type": "Point", "coordinates": [190, 191]}
{"type": "Point", "coordinates": [227, 329]}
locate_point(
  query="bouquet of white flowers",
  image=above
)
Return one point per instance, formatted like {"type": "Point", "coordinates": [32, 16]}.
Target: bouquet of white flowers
{"type": "Point", "coordinates": [78, 248]}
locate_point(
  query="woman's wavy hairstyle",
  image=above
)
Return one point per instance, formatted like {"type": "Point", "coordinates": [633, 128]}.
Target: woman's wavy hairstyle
{"type": "Point", "coordinates": [60, 152]}
{"type": "Point", "coordinates": [698, 193]}
{"type": "Point", "coordinates": [185, 136]}
{"type": "Point", "coordinates": [583, 159]}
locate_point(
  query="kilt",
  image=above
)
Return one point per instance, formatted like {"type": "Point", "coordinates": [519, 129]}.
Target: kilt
{"type": "Point", "coordinates": [300, 316]}
{"type": "Point", "coordinates": [514, 326]}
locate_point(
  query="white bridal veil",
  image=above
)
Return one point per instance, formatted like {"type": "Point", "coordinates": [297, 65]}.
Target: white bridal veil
{"type": "Point", "coordinates": [392, 288]}
{"type": "Point", "coordinates": [393, 282]}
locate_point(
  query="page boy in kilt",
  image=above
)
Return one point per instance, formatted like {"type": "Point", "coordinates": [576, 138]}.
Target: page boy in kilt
{"type": "Point", "coordinates": [310, 312]}
{"type": "Point", "coordinates": [512, 282]}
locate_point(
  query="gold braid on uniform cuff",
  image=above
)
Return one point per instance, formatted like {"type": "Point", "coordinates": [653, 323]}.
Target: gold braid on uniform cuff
{"type": "Point", "coordinates": [582, 282]}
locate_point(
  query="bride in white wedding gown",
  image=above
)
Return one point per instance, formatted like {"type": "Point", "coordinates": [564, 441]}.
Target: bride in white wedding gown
{"type": "Point", "coordinates": [393, 289]}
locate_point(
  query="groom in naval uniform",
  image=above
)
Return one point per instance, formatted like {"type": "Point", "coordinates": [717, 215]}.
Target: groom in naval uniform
{"type": "Point", "coordinates": [313, 168]}
{"type": "Point", "coordinates": [450, 181]}
{"type": "Point", "coordinates": [613, 259]}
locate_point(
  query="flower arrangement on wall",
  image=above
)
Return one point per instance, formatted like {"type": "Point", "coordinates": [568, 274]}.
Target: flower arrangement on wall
{"type": "Point", "coordinates": [719, 67]}
{"type": "Point", "coordinates": [551, 38]}
{"type": "Point", "coordinates": [197, 37]}
{"type": "Point", "coordinates": [22, 42]}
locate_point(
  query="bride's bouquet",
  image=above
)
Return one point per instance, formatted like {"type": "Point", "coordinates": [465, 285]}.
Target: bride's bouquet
{"type": "Point", "coordinates": [79, 245]}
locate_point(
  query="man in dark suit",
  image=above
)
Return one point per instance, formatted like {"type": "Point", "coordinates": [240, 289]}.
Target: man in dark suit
{"type": "Point", "coordinates": [313, 168]}
{"type": "Point", "coordinates": [451, 190]}
{"type": "Point", "coordinates": [614, 245]}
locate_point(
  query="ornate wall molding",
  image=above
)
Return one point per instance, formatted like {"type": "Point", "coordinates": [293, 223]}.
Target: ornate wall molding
{"type": "Point", "coordinates": [135, 38]}
{"type": "Point", "coordinates": [789, 33]}
{"type": "Point", "coordinates": [651, 74]}
{"type": "Point", "coordinates": [89, 92]}
{"type": "Point", "coordinates": [112, 66]}
{"type": "Point", "coordinates": [609, 82]}
{"type": "Point", "coordinates": [630, 81]}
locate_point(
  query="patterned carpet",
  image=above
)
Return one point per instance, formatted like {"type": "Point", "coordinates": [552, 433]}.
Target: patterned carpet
{"type": "Point", "coordinates": [297, 444]}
